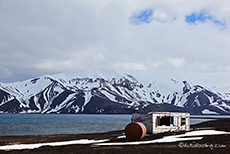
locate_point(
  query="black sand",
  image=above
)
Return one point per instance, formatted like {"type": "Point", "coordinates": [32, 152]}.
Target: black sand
{"type": "Point", "coordinates": [216, 144]}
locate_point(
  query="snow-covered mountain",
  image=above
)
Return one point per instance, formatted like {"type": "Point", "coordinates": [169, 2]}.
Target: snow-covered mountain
{"type": "Point", "coordinates": [105, 91]}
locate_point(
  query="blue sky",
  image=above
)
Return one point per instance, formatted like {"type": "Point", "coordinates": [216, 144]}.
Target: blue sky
{"type": "Point", "coordinates": [146, 16]}
{"type": "Point", "coordinates": [202, 17]}
{"type": "Point", "coordinates": [143, 16]}
{"type": "Point", "coordinates": [45, 37]}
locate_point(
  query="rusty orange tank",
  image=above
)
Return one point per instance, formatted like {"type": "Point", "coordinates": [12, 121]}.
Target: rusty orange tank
{"type": "Point", "coordinates": [135, 131]}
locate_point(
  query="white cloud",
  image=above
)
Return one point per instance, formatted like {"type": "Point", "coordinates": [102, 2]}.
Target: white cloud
{"type": "Point", "coordinates": [155, 64]}
{"type": "Point", "coordinates": [177, 62]}
{"type": "Point", "coordinates": [45, 36]}
{"type": "Point", "coordinates": [130, 66]}
{"type": "Point", "coordinates": [164, 16]}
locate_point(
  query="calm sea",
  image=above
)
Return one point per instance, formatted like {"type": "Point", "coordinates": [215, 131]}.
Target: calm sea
{"type": "Point", "coordinates": [40, 124]}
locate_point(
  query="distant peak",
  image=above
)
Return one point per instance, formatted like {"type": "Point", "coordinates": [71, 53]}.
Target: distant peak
{"type": "Point", "coordinates": [90, 73]}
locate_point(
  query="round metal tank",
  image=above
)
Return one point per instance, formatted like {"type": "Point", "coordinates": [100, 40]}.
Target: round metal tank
{"type": "Point", "coordinates": [135, 131]}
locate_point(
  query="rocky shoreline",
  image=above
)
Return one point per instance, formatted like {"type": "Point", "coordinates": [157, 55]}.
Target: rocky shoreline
{"type": "Point", "coordinates": [208, 144]}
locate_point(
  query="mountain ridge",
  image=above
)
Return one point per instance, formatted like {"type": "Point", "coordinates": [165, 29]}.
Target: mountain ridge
{"type": "Point", "coordinates": [106, 91]}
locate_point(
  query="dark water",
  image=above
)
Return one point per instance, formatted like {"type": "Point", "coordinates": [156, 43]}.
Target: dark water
{"type": "Point", "coordinates": [32, 124]}
{"type": "Point", "coordinates": [195, 119]}
{"type": "Point", "coordinates": [39, 124]}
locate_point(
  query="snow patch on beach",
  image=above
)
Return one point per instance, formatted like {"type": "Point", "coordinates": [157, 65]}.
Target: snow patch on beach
{"type": "Point", "coordinates": [37, 145]}
{"type": "Point", "coordinates": [193, 135]}
{"type": "Point", "coordinates": [174, 138]}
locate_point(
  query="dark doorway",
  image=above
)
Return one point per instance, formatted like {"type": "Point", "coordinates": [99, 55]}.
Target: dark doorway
{"type": "Point", "coordinates": [166, 120]}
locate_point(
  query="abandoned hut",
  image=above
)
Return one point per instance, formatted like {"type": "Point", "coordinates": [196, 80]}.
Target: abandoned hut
{"type": "Point", "coordinates": [157, 122]}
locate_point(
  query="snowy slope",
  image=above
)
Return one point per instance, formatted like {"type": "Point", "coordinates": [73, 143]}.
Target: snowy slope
{"type": "Point", "coordinates": [106, 91]}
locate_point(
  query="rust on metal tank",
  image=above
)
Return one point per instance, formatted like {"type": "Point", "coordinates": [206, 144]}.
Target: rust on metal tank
{"type": "Point", "coordinates": [135, 131]}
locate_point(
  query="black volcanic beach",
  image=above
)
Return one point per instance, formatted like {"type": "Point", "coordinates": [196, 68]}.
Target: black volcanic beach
{"type": "Point", "coordinates": [218, 144]}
